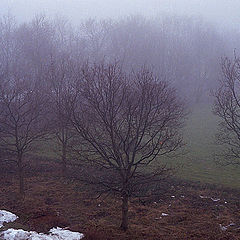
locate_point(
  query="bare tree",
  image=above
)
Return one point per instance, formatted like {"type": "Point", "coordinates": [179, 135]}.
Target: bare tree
{"type": "Point", "coordinates": [95, 34]}
{"type": "Point", "coordinates": [22, 120]}
{"type": "Point", "coordinates": [127, 122]}
{"type": "Point", "coordinates": [60, 75]}
{"type": "Point", "coordinates": [227, 108]}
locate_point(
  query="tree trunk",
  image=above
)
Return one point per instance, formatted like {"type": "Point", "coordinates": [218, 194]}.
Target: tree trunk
{"type": "Point", "coordinates": [64, 164]}
{"type": "Point", "coordinates": [124, 224]}
{"type": "Point", "coordinates": [20, 175]}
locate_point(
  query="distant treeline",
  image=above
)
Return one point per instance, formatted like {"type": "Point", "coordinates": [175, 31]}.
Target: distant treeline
{"type": "Point", "coordinates": [184, 51]}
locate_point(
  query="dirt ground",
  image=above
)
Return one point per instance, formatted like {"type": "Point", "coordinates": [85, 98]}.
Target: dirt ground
{"type": "Point", "coordinates": [181, 211]}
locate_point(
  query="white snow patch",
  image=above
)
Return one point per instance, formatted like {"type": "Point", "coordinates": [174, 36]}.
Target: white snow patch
{"type": "Point", "coordinates": [54, 234]}
{"type": "Point", "coordinates": [164, 214]}
{"type": "Point", "coordinates": [66, 234]}
{"type": "Point", "coordinates": [215, 199]}
{"type": "Point", "coordinates": [224, 228]}
{"type": "Point", "coordinates": [6, 217]}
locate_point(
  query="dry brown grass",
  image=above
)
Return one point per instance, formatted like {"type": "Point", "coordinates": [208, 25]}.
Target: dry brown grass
{"type": "Point", "coordinates": [52, 201]}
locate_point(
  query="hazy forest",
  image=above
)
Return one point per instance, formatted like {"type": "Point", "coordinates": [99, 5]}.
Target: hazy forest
{"type": "Point", "coordinates": [123, 128]}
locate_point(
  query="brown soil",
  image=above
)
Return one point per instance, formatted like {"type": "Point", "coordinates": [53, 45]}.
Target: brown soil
{"type": "Point", "coordinates": [52, 201]}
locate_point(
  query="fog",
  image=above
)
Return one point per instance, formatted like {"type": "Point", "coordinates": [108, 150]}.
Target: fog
{"type": "Point", "coordinates": [101, 91]}
{"type": "Point", "coordinates": [181, 41]}
{"type": "Point", "coordinates": [224, 13]}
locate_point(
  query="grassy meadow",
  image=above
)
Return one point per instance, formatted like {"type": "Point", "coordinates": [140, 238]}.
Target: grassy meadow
{"type": "Point", "coordinates": [198, 164]}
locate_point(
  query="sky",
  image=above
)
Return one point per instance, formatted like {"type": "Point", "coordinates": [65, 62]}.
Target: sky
{"type": "Point", "coordinates": [221, 12]}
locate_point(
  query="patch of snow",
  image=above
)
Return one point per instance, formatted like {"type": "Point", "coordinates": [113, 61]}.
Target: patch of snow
{"type": "Point", "coordinates": [164, 214]}
{"type": "Point", "coordinates": [66, 234]}
{"type": "Point", "coordinates": [172, 196]}
{"type": "Point", "coordinates": [215, 199]}
{"type": "Point", "coordinates": [12, 234]}
{"type": "Point", "coordinates": [224, 228]}
{"type": "Point", "coordinates": [225, 202]}
{"type": "Point", "coordinates": [6, 217]}
{"type": "Point", "coordinates": [54, 234]}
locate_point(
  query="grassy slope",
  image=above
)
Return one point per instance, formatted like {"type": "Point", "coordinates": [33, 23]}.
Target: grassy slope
{"type": "Point", "coordinates": [199, 164]}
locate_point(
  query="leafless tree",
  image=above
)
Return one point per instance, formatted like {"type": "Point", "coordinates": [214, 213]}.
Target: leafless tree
{"type": "Point", "coordinates": [227, 108]}
{"type": "Point", "coordinates": [22, 120]}
{"type": "Point", "coordinates": [95, 34]}
{"type": "Point", "coordinates": [126, 122]}
{"type": "Point", "coordinates": [60, 76]}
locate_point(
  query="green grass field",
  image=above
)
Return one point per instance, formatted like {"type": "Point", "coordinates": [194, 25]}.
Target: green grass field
{"type": "Point", "coordinates": [199, 164]}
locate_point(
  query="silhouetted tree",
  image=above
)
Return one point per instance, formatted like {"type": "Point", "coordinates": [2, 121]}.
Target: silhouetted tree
{"type": "Point", "coordinates": [227, 108]}
{"type": "Point", "coordinates": [126, 122]}
{"type": "Point", "coordinates": [23, 120]}
{"type": "Point", "coordinates": [60, 76]}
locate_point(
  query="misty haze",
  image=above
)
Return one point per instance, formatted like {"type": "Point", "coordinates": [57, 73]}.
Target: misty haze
{"type": "Point", "coordinates": [119, 119]}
